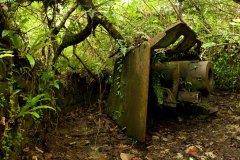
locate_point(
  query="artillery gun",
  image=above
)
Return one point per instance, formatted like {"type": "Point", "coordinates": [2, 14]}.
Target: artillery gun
{"type": "Point", "coordinates": [179, 77]}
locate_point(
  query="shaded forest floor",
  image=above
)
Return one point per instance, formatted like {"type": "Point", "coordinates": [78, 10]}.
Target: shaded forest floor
{"type": "Point", "coordinates": [182, 133]}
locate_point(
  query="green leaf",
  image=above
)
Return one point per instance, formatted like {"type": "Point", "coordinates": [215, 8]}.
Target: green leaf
{"type": "Point", "coordinates": [156, 21]}
{"type": "Point", "coordinates": [7, 52]}
{"type": "Point", "coordinates": [6, 55]}
{"type": "Point", "coordinates": [38, 98]}
{"type": "Point", "coordinates": [34, 114]}
{"type": "Point", "coordinates": [236, 20]}
{"type": "Point", "coordinates": [47, 75]}
{"type": "Point", "coordinates": [36, 47]}
{"type": "Point", "coordinates": [42, 107]}
{"type": "Point", "coordinates": [31, 60]}
{"type": "Point", "coordinates": [55, 84]}
{"type": "Point", "coordinates": [39, 42]}
{"type": "Point", "coordinates": [16, 41]}
{"type": "Point", "coordinates": [16, 92]}
{"type": "Point", "coordinates": [6, 33]}
{"type": "Point", "coordinates": [207, 45]}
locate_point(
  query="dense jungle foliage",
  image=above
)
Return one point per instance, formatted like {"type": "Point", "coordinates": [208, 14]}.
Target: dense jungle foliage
{"type": "Point", "coordinates": [46, 43]}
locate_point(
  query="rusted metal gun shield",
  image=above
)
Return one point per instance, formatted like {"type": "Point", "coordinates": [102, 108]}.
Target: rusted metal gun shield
{"type": "Point", "coordinates": [129, 109]}
{"type": "Point", "coordinates": [171, 34]}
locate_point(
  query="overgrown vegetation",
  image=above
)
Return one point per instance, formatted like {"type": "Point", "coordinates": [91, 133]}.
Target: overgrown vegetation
{"type": "Point", "coordinates": [45, 40]}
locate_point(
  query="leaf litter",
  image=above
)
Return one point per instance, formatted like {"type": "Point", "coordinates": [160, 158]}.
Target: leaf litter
{"type": "Point", "coordinates": [87, 135]}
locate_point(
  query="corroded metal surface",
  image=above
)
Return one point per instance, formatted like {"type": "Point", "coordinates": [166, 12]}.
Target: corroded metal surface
{"type": "Point", "coordinates": [193, 77]}
{"type": "Point", "coordinates": [127, 103]}
{"type": "Point", "coordinates": [170, 75]}
{"type": "Point", "coordinates": [177, 40]}
{"type": "Point", "coordinates": [198, 75]}
{"type": "Point", "coordinates": [192, 97]}
{"type": "Point", "coordinates": [171, 34]}
{"type": "Point", "coordinates": [128, 99]}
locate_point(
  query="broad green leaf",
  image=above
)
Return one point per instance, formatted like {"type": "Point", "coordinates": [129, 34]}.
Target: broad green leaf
{"type": "Point", "coordinates": [47, 75]}
{"type": "Point", "coordinates": [37, 47]}
{"type": "Point", "coordinates": [7, 52]}
{"type": "Point", "coordinates": [16, 41]}
{"type": "Point", "coordinates": [34, 114]}
{"type": "Point", "coordinates": [156, 21]}
{"type": "Point", "coordinates": [42, 107]}
{"type": "Point", "coordinates": [39, 42]}
{"type": "Point", "coordinates": [6, 33]}
{"type": "Point", "coordinates": [207, 45]}
{"type": "Point", "coordinates": [16, 91]}
{"type": "Point", "coordinates": [33, 101]}
{"type": "Point", "coordinates": [236, 20]}
{"type": "Point", "coordinates": [55, 84]}
{"type": "Point", "coordinates": [6, 55]}
{"type": "Point", "coordinates": [31, 60]}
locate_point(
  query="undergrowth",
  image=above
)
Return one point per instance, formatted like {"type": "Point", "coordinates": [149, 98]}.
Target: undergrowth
{"type": "Point", "coordinates": [227, 70]}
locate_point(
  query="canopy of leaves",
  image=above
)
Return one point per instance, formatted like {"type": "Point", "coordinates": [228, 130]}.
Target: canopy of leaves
{"type": "Point", "coordinates": [80, 35]}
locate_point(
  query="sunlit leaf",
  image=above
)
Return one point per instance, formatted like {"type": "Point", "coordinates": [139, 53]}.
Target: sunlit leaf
{"type": "Point", "coordinates": [209, 44]}
{"type": "Point", "coordinates": [42, 107]}
{"type": "Point", "coordinates": [6, 33]}
{"type": "Point", "coordinates": [6, 55]}
{"type": "Point", "coordinates": [34, 114]}
{"type": "Point", "coordinates": [55, 84]}
{"type": "Point", "coordinates": [236, 20]}
{"type": "Point", "coordinates": [31, 60]}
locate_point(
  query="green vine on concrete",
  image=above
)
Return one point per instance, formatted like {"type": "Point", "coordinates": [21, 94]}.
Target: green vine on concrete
{"type": "Point", "coordinates": [157, 88]}
{"type": "Point", "coordinates": [157, 57]}
{"type": "Point", "coordinates": [119, 64]}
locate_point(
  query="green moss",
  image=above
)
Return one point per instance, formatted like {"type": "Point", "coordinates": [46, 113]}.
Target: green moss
{"type": "Point", "coordinates": [156, 84]}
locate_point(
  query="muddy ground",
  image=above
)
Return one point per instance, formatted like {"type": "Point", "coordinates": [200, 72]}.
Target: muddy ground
{"type": "Point", "coordinates": [188, 132]}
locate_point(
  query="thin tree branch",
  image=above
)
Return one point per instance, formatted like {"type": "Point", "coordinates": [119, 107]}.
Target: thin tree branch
{"type": "Point", "coordinates": [69, 40]}
{"type": "Point", "coordinates": [85, 67]}
{"type": "Point", "coordinates": [98, 18]}
{"type": "Point", "coordinates": [65, 17]}
{"type": "Point", "coordinates": [68, 61]}
{"type": "Point", "coordinates": [94, 51]}
{"type": "Point", "coordinates": [237, 1]}
{"type": "Point", "coordinates": [93, 22]}
{"type": "Point", "coordinates": [207, 27]}
{"type": "Point", "coordinates": [176, 11]}
{"type": "Point", "coordinates": [158, 13]}
{"type": "Point", "coordinates": [108, 26]}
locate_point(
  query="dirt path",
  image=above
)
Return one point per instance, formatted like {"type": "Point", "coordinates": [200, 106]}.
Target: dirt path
{"type": "Point", "coordinates": [172, 134]}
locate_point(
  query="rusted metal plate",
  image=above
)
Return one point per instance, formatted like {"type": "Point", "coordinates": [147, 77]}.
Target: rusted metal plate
{"type": "Point", "coordinates": [128, 99]}
{"type": "Point", "coordinates": [171, 35]}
